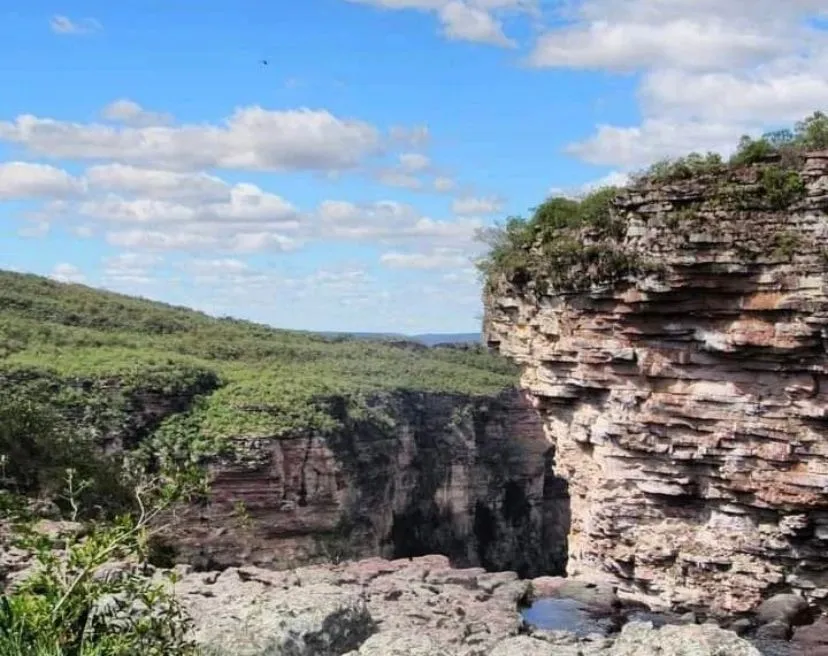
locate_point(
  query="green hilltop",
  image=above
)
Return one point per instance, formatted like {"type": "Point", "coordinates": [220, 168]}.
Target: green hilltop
{"type": "Point", "coordinates": [86, 348]}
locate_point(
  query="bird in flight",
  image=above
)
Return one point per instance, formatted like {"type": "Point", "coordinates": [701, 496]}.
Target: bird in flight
{"type": "Point", "coordinates": [264, 62]}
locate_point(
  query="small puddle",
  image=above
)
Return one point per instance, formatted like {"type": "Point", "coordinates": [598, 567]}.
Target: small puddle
{"type": "Point", "coordinates": [566, 615]}
{"type": "Point", "coordinates": [560, 614]}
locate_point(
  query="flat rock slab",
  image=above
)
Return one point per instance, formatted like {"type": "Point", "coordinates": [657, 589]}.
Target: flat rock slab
{"type": "Point", "coordinates": [416, 607]}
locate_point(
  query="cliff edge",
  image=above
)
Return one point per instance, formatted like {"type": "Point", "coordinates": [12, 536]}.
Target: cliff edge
{"type": "Point", "coordinates": [672, 335]}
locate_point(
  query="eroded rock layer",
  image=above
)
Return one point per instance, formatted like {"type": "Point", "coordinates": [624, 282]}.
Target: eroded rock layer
{"type": "Point", "coordinates": [689, 408]}
{"type": "Point", "coordinates": [468, 477]}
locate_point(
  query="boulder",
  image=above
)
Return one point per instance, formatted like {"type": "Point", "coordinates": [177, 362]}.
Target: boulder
{"type": "Point", "coordinates": [641, 639]}
{"type": "Point", "coordinates": [399, 643]}
{"type": "Point", "coordinates": [789, 609]}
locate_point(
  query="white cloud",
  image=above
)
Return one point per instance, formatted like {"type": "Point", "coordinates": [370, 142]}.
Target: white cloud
{"type": "Point", "coordinates": [710, 71]}
{"type": "Point", "coordinates": [637, 146]}
{"type": "Point", "coordinates": [471, 206]}
{"type": "Point", "coordinates": [253, 138]}
{"type": "Point", "coordinates": [131, 268]}
{"type": "Point", "coordinates": [705, 43]}
{"type": "Point", "coordinates": [444, 184]}
{"type": "Point", "coordinates": [392, 223]}
{"type": "Point", "coordinates": [159, 184]}
{"type": "Point", "coordinates": [131, 113]}
{"type": "Point", "coordinates": [612, 179]}
{"type": "Point", "coordinates": [64, 25]}
{"type": "Point", "coordinates": [19, 180]}
{"type": "Point", "coordinates": [216, 266]}
{"type": "Point", "coordinates": [442, 258]}
{"type": "Point", "coordinates": [244, 204]}
{"type": "Point", "coordinates": [466, 20]}
{"type": "Point", "coordinates": [414, 162]}
{"type": "Point", "coordinates": [162, 210]}
{"type": "Point", "coordinates": [741, 96]}
{"type": "Point", "coordinates": [65, 272]}
{"type": "Point", "coordinates": [396, 178]}
{"type": "Point", "coordinates": [191, 238]}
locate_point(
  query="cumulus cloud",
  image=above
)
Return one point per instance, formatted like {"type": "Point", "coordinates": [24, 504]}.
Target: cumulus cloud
{"type": "Point", "coordinates": [611, 179]}
{"type": "Point", "coordinates": [393, 223]}
{"type": "Point", "coordinates": [469, 206]}
{"type": "Point", "coordinates": [444, 184]}
{"type": "Point", "coordinates": [253, 138]}
{"type": "Point", "coordinates": [398, 178]}
{"type": "Point", "coordinates": [160, 184]}
{"type": "Point", "coordinates": [65, 25]}
{"type": "Point", "coordinates": [477, 21]}
{"type": "Point", "coordinates": [245, 204]}
{"type": "Point", "coordinates": [167, 210]}
{"type": "Point", "coordinates": [130, 268]}
{"type": "Point", "coordinates": [414, 162]}
{"type": "Point", "coordinates": [21, 180]}
{"type": "Point", "coordinates": [441, 258]}
{"type": "Point", "coordinates": [193, 238]}
{"type": "Point", "coordinates": [637, 146]}
{"type": "Point", "coordinates": [465, 22]}
{"type": "Point", "coordinates": [702, 43]}
{"type": "Point", "coordinates": [130, 112]}
{"type": "Point", "coordinates": [65, 272]}
{"type": "Point", "coordinates": [710, 71]}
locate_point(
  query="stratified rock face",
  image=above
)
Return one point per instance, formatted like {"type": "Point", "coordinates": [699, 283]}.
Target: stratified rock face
{"type": "Point", "coordinates": [438, 473]}
{"type": "Point", "coordinates": [690, 409]}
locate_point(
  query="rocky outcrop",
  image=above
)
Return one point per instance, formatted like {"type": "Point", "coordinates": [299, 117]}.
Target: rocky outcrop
{"type": "Point", "coordinates": [418, 607]}
{"type": "Point", "coordinates": [689, 407]}
{"type": "Point", "coordinates": [418, 473]}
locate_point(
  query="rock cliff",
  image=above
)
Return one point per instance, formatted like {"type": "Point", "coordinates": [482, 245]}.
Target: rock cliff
{"type": "Point", "coordinates": [419, 473]}
{"type": "Point", "coordinates": [688, 404]}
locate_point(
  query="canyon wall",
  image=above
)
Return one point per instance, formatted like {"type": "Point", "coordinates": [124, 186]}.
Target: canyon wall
{"type": "Point", "coordinates": [418, 473]}
{"type": "Point", "coordinates": [689, 406]}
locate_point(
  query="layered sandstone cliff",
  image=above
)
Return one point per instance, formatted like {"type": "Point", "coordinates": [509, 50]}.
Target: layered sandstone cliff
{"type": "Point", "coordinates": [421, 473]}
{"type": "Point", "coordinates": [689, 406]}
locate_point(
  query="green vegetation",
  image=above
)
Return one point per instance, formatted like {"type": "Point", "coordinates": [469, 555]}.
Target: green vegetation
{"type": "Point", "coordinates": [570, 245]}
{"type": "Point", "coordinates": [80, 348]}
{"type": "Point", "coordinates": [785, 146]}
{"type": "Point", "coordinates": [103, 395]}
{"type": "Point", "coordinates": [567, 244]}
{"type": "Point", "coordinates": [86, 593]}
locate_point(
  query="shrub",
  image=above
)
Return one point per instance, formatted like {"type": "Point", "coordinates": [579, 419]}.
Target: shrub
{"type": "Point", "coordinates": [84, 600]}
{"type": "Point", "coordinates": [683, 168]}
{"type": "Point", "coordinates": [38, 447]}
{"type": "Point", "coordinates": [781, 187]}
{"type": "Point", "coordinates": [567, 245]}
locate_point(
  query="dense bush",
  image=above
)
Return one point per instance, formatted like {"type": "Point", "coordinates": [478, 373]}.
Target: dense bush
{"type": "Point", "coordinates": [41, 452]}
{"type": "Point", "coordinates": [88, 594]}
{"type": "Point", "coordinates": [567, 245]}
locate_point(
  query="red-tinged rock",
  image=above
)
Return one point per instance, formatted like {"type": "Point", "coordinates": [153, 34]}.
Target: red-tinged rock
{"type": "Point", "coordinates": [715, 434]}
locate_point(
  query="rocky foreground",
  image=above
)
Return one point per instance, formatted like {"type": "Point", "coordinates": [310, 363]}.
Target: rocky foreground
{"type": "Point", "coordinates": [417, 607]}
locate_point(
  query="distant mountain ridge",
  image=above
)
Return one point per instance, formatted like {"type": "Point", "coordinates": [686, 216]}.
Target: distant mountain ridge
{"type": "Point", "coordinates": [429, 339]}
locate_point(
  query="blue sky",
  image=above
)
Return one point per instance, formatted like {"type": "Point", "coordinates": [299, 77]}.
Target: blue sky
{"type": "Point", "coordinates": [145, 148]}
